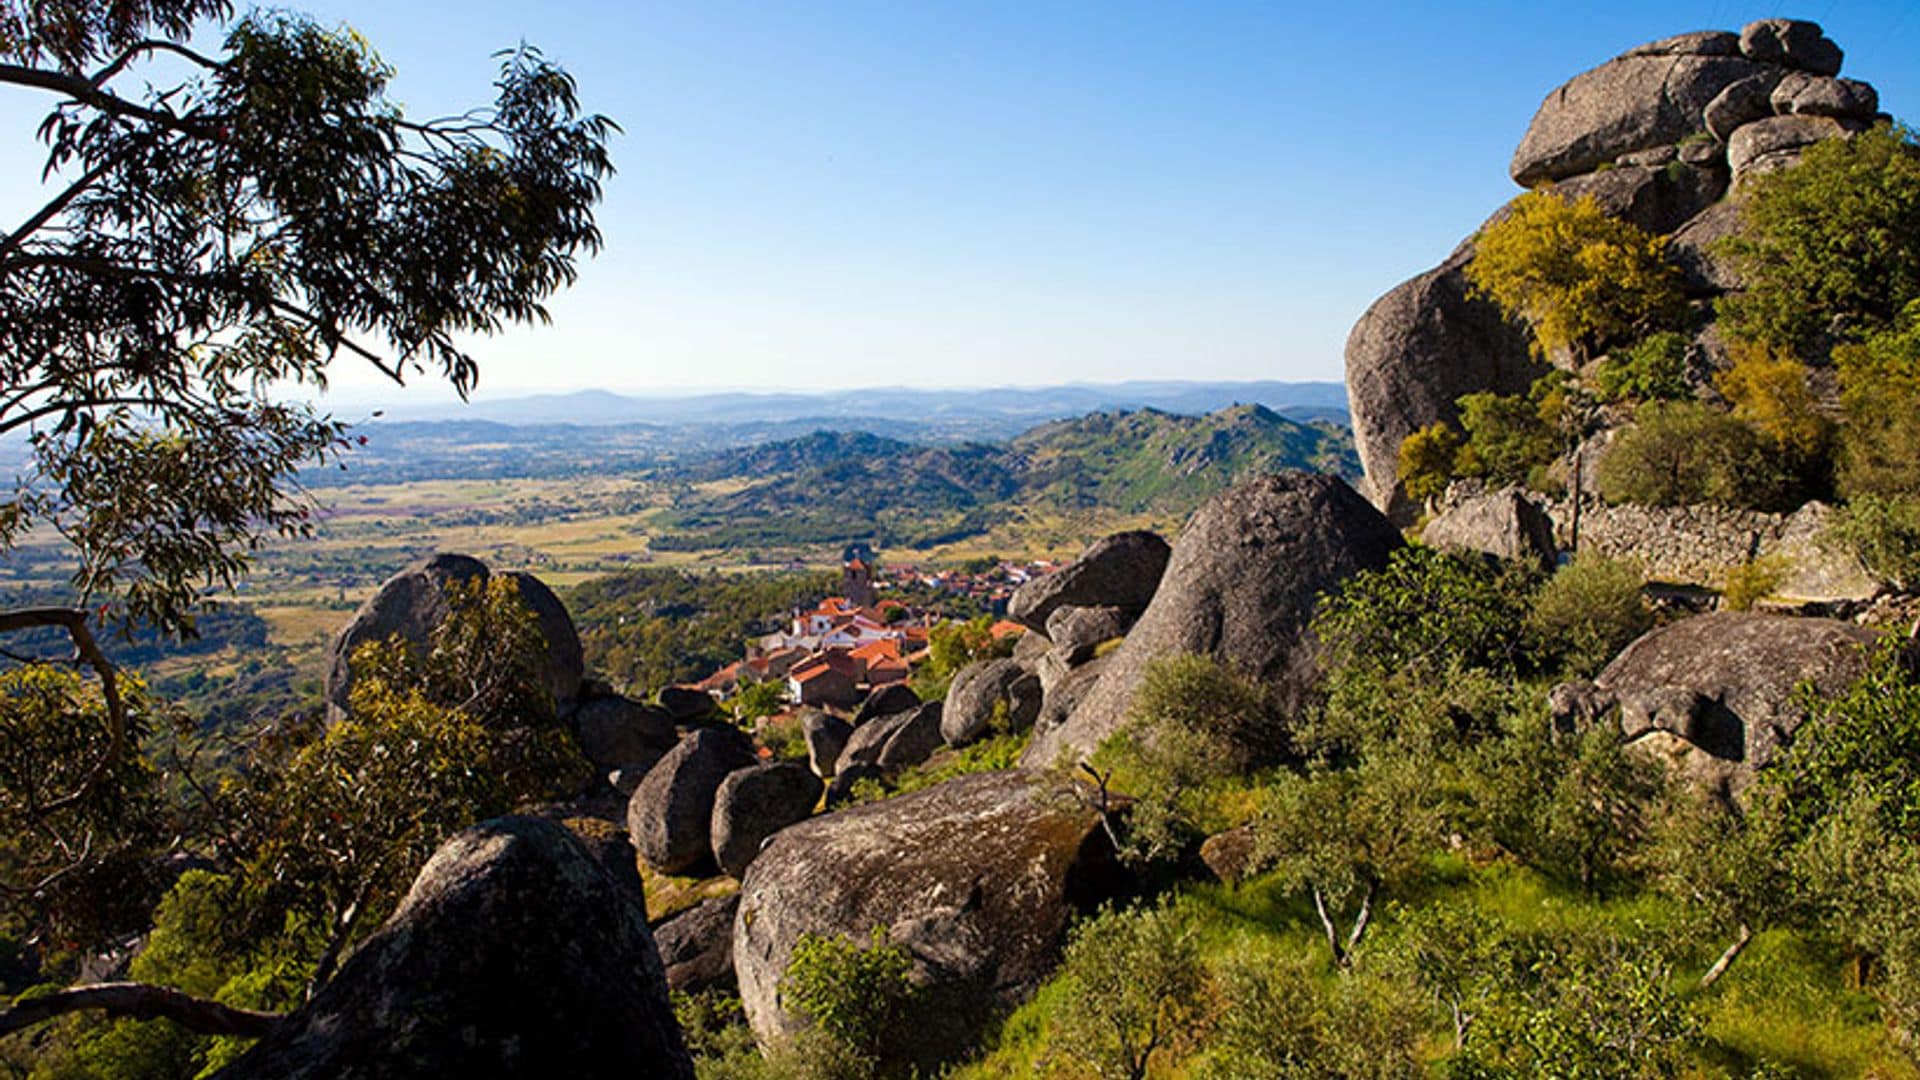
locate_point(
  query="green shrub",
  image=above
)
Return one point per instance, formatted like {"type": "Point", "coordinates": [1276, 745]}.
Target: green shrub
{"type": "Point", "coordinates": [1137, 979]}
{"type": "Point", "coordinates": [1680, 452]}
{"type": "Point", "coordinates": [1880, 399]}
{"type": "Point", "coordinates": [1507, 438]}
{"type": "Point", "coordinates": [1836, 237]}
{"type": "Point", "coordinates": [854, 997]}
{"type": "Point", "coordinates": [1587, 612]}
{"type": "Point", "coordinates": [1884, 535]}
{"type": "Point", "coordinates": [1653, 369]}
{"type": "Point", "coordinates": [1283, 1021]}
{"type": "Point", "coordinates": [1193, 724]}
{"type": "Point", "coordinates": [1427, 461]}
{"type": "Point", "coordinates": [1754, 581]}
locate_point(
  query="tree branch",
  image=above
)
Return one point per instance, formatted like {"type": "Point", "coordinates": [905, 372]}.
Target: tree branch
{"type": "Point", "coordinates": [120, 62]}
{"type": "Point", "coordinates": [141, 1001]}
{"type": "Point", "coordinates": [46, 213]}
{"type": "Point", "coordinates": [83, 90]}
{"type": "Point", "coordinates": [1727, 958]}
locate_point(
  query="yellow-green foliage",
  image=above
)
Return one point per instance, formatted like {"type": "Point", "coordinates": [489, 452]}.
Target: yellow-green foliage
{"type": "Point", "coordinates": [1751, 582]}
{"type": "Point", "coordinates": [1769, 392]}
{"type": "Point", "coordinates": [1587, 612]}
{"type": "Point", "coordinates": [1578, 277]}
{"type": "Point", "coordinates": [1427, 460]}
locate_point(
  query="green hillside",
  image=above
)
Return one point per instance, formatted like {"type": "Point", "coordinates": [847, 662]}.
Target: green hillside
{"type": "Point", "coordinates": [837, 487]}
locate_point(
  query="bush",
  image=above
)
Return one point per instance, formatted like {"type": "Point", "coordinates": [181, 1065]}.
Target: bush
{"type": "Point", "coordinates": [1884, 535]}
{"type": "Point", "coordinates": [1653, 369]}
{"type": "Point", "coordinates": [1680, 452]}
{"type": "Point", "coordinates": [1578, 277]}
{"type": "Point", "coordinates": [1136, 979]}
{"type": "Point", "coordinates": [1427, 461]}
{"type": "Point", "coordinates": [1880, 399]}
{"type": "Point", "coordinates": [1282, 1021]}
{"type": "Point", "coordinates": [1751, 582]}
{"type": "Point", "coordinates": [1193, 724]}
{"type": "Point", "coordinates": [1508, 438]}
{"type": "Point", "coordinates": [1835, 238]}
{"type": "Point", "coordinates": [1587, 612]}
{"type": "Point", "coordinates": [853, 996]}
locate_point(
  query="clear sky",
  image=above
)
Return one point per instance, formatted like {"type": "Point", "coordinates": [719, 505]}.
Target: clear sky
{"type": "Point", "coordinates": [901, 192]}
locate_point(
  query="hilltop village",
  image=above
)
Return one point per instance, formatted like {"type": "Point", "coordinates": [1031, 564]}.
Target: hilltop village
{"type": "Point", "coordinates": [840, 650]}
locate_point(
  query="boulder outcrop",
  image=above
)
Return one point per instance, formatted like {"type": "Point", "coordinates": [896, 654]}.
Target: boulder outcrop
{"type": "Point", "coordinates": [513, 955]}
{"type": "Point", "coordinates": [983, 689]}
{"type": "Point", "coordinates": [1507, 524]}
{"type": "Point", "coordinates": [1121, 571]}
{"type": "Point", "coordinates": [696, 945]}
{"type": "Point", "coordinates": [670, 814]}
{"type": "Point", "coordinates": [619, 733]}
{"type": "Point", "coordinates": [826, 736]}
{"type": "Point", "coordinates": [1240, 587]}
{"type": "Point", "coordinates": [1716, 690]}
{"type": "Point", "coordinates": [1077, 631]}
{"type": "Point", "coordinates": [1657, 136]}
{"type": "Point", "coordinates": [414, 602]}
{"type": "Point", "coordinates": [976, 878]}
{"type": "Point", "coordinates": [892, 743]}
{"type": "Point", "coordinates": [754, 803]}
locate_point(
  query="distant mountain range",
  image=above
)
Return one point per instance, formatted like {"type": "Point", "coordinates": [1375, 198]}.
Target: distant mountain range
{"type": "Point", "coordinates": [599, 432]}
{"type": "Point", "coordinates": [1019, 406]}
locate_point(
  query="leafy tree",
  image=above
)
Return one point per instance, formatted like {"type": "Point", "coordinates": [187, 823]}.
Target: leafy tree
{"type": "Point", "coordinates": [1136, 979]}
{"type": "Point", "coordinates": [1728, 865]}
{"type": "Point", "coordinates": [1880, 399]}
{"type": "Point", "coordinates": [952, 646]}
{"type": "Point", "coordinates": [1652, 369]}
{"type": "Point", "coordinates": [1573, 804]}
{"type": "Point", "coordinates": [1509, 437]}
{"type": "Point", "coordinates": [1599, 1007]}
{"type": "Point", "coordinates": [1587, 612]}
{"type": "Point", "coordinates": [209, 240]}
{"type": "Point", "coordinates": [1576, 276]}
{"type": "Point", "coordinates": [1344, 837]}
{"type": "Point", "coordinates": [1458, 956]}
{"type": "Point", "coordinates": [1831, 243]}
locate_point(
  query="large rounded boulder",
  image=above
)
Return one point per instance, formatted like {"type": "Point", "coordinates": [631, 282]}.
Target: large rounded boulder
{"type": "Point", "coordinates": [515, 954]}
{"type": "Point", "coordinates": [414, 603]}
{"type": "Point", "coordinates": [1634, 102]}
{"type": "Point", "coordinates": [670, 814]}
{"type": "Point", "coordinates": [754, 803]}
{"type": "Point", "coordinates": [696, 945]}
{"type": "Point", "coordinates": [1717, 690]}
{"type": "Point", "coordinates": [1413, 354]}
{"type": "Point", "coordinates": [977, 878]}
{"type": "Point", "coordinates": [619, 733]}
{"type": "Point", "coordinates": [1241, 587]}
{"type": "Point", "coordinates": [1121, 571]}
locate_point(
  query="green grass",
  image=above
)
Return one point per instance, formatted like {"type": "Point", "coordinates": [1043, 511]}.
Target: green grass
{"type": "Point", "coordinates": [1785, 1004]}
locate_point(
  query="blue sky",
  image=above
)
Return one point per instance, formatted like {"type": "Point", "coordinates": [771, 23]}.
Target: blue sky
{"type": "Point", "coordinates": [943, 194]}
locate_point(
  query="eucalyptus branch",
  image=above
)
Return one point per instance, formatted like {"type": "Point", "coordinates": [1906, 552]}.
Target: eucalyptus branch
{"type": "Point", "coordinates": [74, 622]}
{"type": "Point", "coordinates": [83, 90]}
{"type": "Point", "coordinates": [141, 1001]}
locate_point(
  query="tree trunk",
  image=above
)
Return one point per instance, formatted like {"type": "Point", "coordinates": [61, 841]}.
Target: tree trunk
{"type": "Point", "coordinates": [141, 1002]}
{"type": "Point", "coordinates": [1360, 920]}
{"type": "Point", "coordinates": [1326, 925]}
{"type": "Point", "coordinates": [1727, 958]}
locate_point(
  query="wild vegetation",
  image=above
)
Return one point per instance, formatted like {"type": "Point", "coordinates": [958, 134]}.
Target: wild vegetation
{"type": "Point", "coordinates": [1831, 280]}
